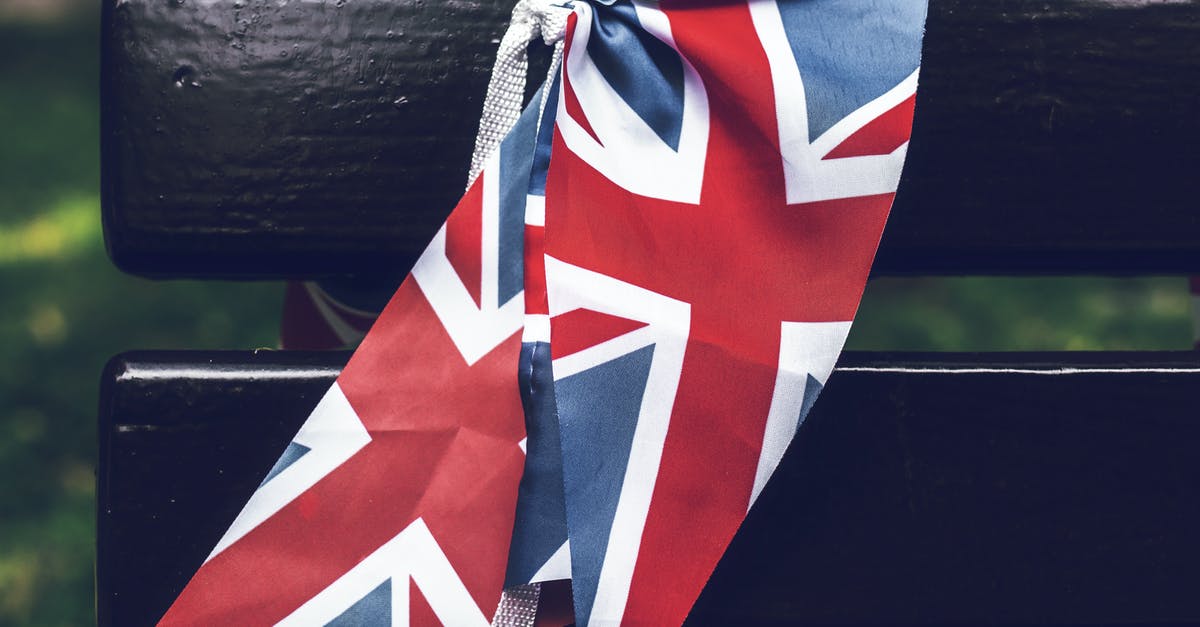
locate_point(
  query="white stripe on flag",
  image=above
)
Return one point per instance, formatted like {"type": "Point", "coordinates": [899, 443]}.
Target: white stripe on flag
{"type": "Point", "coordinates": [333, 433]}
{"type": "Point", "coordinates": [805, 348]}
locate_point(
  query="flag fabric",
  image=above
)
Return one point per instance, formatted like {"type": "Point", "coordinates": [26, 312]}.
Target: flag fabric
{"type": "Point", "coordinates": [599, 361]}
{"type": "Point", "coordinates": [394, 503]}
{"type": "Point", "coordinates": [330, 315]}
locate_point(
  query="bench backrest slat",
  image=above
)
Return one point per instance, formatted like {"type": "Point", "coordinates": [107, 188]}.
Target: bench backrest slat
{"type": "Point", "coordinates": [308, 139]}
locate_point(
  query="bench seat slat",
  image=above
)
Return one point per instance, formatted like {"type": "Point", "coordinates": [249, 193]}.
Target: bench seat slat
{"type": "Point", "coordinates": [1012, 488]}
{"type": "Point", "coordinates": [263, 139]}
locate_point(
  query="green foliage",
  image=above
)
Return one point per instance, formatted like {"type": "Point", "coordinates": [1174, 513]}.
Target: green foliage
{"type": "Point", "coordinates": [1023, 314]}
{"type": "Point", "coordinates": [65, 310]}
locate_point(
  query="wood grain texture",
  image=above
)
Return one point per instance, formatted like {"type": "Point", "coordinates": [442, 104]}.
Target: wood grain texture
{"type": "Point", "coordinates": [1052, 488]}
{"type": "Point", "coordinates": [262, 139]}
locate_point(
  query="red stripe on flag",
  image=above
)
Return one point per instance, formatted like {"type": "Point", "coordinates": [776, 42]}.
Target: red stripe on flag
{"type": "Point", "coordinates": [582, 328]}
{"type": "Point", "coordinates": [707, 469]}
{"type": "Point", "coordinates": [746, 261]}
{"type": "Point", "coordinates": [880, 136]}
{"type": "Point", "coordinates": [535, 270]}
{"type": "Point", "coordinates": [464, 238]}
{"type": "Point", "coordinates": [420, 612]}
{"type": "Point", "coordinates": [570, 100]}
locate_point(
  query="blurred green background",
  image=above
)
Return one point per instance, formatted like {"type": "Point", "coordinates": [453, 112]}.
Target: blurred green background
{"type": "Point", "coordinates": [64, 310]}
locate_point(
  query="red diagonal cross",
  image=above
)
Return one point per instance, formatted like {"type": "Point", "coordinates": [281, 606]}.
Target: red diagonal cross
{"type": "Point", "coordinates": [746, 261]}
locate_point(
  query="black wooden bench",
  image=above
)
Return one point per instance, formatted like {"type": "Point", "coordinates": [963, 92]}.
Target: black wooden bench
{"type": "Point", "coordinates": [251, 140]}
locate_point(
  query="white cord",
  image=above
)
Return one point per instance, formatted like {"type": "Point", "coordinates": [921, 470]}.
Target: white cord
{"type": "Point", "coordinates": [518, 606]}
{"type": "Point", "coordinates": [506, 89]}
{"type": "Point", "coordinates": [501, 109]}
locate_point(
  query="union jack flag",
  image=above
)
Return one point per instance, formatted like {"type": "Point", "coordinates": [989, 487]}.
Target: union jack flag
{"type": "Point", "coordinates": [600, 359]}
